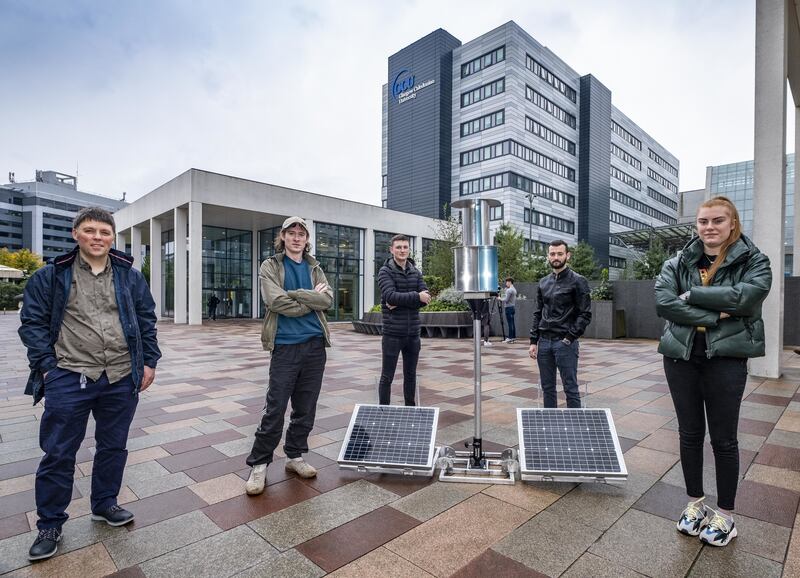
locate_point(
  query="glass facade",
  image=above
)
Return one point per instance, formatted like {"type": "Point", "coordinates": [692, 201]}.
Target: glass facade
{"type": "Point", "coordinates": [735, 181]}
{"type": "Point", "coordinates": [338, 249]}
{"type": "Point", "coordinates": [382, 242]}
{"type": "Point", "coordinates": [266, 249]}
{"type": "Point", "coordinates": [228, 270]}
{"type": "Point", "coordinates": [168, 273]}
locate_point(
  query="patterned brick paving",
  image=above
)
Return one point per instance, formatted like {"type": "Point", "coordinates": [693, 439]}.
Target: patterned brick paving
{"type": "Point", "coordinates": [193, 429]}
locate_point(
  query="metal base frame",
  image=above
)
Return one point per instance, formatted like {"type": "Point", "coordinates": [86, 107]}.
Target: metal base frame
{"type": "Point", "coordinates": [580, 478]}
{"type": "Point", "coordinates": [494, 468]}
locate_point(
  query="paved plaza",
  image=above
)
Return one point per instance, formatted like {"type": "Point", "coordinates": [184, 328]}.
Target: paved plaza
{"type": "Point", "coordinates": [193, 428]}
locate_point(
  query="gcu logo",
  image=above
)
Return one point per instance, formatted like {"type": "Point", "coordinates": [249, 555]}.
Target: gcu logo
{"type": "Point", "coordinates": [401, 85]}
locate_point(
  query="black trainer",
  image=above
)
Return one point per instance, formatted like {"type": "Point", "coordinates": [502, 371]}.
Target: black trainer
{"type": "Point", "coordinates": [45, 545]}
{"type": "Point", "coordinates": [114, 516]}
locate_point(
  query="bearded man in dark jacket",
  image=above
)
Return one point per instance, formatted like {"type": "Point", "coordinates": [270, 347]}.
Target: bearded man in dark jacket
{"type": "Point", "coordinates": [403, 293]}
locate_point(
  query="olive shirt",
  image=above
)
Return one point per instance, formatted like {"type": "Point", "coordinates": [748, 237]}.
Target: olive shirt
{"type": "Point", "coordinates": [91, 339]}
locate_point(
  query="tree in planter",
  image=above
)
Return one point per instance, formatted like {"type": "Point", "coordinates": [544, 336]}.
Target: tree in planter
{"type": "Point", "coordinates": [604, 291]}
{"type": "Point", "coordinates": [439, 260]}
{"type": "Point", "coordinates": [650, 265]}
{"type": "Point", "coordinates": [8, 295]}
{"type": "Point", "coordinates": [582, 260]}
{"type": "Point", "coordinates": [24, 260]}
{"type": "Point", "coordinates": [146, 268]}
{"type": "Point", "coordinates": [513, 261]}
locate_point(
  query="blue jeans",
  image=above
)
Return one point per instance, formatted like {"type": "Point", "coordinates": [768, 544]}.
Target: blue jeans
{"type": "Point", "coordinates": [66, 412]}
{"type": "Point", "coordinates": [512, 329]}
{"type": "Point", "coordinates": [552, 354]}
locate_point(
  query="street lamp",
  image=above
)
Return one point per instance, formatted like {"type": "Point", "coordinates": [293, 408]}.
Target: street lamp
{"type": "Point", "coordinates": [530, 196]}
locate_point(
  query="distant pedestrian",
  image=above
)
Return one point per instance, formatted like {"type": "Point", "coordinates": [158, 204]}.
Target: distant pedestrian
{"type": "Point", "coordinates": [213, 301]}
{"type": "Point", "coordinates": [564, 310]}
{"type": "Point", "coordinates": [89, 324]}
{"type": "Point", "coordinates": [711, 296]}
{"type": "Point", "coordinates": [509, 300]}
{"type": "Point", "coordinates": [403, 293]}
{"type": "Point", "coordinates": [295, 330]}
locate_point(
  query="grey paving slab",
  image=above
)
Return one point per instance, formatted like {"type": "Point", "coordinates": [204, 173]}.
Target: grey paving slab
{"type": "Point", "coordinates": [19, 455]}
{"type": "Point", "coordinates": [336, 434]}
{"type": "Point", "coordinates": [223, 554]}
{"type": "Point", "coordinates": [156, 439]}
{"type": "Point", "coordinates": [623, 544]}
{"type": "Point", "coordinates": [296, 524]}
{"type": "Point", "coordinates": [289, 564]}
{"type": "Point", "coordinates": [159, 485]}
{"type": "Point", "coordinates": [26, 443]}
{"type": "Point", "coordinates": [330, 451]}
{"type": "Point", "coordinates": [761, 411]}
{"type": "Point", "coordinates": [750, 442]}
{"type": "Point", "coordinates": [715, 562]}
{"type": "Point", "coordinates": [456, 432]}
{"type": "Point", "coordinates": [597, 567]}
{"type": "Point", "coordinates": [136, 474]}
{"type": "Point", "coordinates": [762, 538]}
{"type": "Point", "coordinates": [434, 499]}
{"type": "Point", "coordinates": [546, 544]}
{"type": "Point", "coordinates": [212, 427]}
{"type": "Point", "coordinates": [235, 447]}
{"type": "Point", "coordinates": [505, 436]}
{"type": "Point", "coordinates": [780, 437]}
{"type": "Point", "coordinates": [152, 541]}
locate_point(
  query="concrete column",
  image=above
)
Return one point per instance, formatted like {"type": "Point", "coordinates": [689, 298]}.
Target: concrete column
{"type": "Point", "coordinates": [195, 263]}
{"type": "Point", "coordinates": [796, 256]}
{"type": "Point", "coordinates": [136, 246]}
{"type": "Point", "coordinates": [181, 221]}
{"type": "Point", "coordinates": [312, 235]}
{"type": "Point", "coordinates": [255, 300]}
{"type": "Point", "coordinates": [120, 242]}
{"type": "Point", "coordinates": [155, 264]}
{"type": "Point", "coordinates": [37, 226]}
{"type": "Point", "coordinates": [769, 174]}
{"type": "Point", "coordinates": [369, 271]}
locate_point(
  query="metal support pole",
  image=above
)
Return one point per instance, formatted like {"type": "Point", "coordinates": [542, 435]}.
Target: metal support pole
{"type": "Point", "coordinates": [477, 459]}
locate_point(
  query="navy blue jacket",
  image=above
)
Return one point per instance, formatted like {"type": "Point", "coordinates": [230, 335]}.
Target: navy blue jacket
{"type": "Point", "coordinates": [400, 287]}
{"type": "Point", "coordinates": [45, 300]}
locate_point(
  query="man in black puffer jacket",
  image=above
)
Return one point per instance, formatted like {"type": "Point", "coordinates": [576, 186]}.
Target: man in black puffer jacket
{"type": "Point", "coordinates": [403, 292]}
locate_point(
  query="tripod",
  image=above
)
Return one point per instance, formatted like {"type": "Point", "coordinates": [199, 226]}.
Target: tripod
{"type": "Point", "coordinates": [496, 305]}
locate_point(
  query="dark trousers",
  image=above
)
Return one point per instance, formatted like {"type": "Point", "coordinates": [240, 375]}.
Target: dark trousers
{"type": "Point", "coordinates": [553, 355]}
{"type": "Point", "coordinates": [66, 412]}
{"type": "Point", "coordinates": [295, 372]}
{"type": "Point", "coordinates": [704, 387]}
{"type": "Point", "coordinates": [392, 347]}
{"type": "Point", "coordinates": [212, 312]}
{"type": "Point", "coordinates": [512, 329]}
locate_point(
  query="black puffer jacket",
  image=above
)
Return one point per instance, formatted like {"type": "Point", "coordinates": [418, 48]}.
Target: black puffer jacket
{"type": "Point", "coordinates": [400, 287]}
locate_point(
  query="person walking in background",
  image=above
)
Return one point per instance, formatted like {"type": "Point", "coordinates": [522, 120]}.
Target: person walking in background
{"type": "Point", "coordinates": [564, 310]}
{"type": "Point", "coordinates": [403, 293]}
{"type": "Point", "coordinates": [711, 296]}
{"type": "Point", "coordinates": [509, 300]}
{"type": "Point", "coordinates": [88, 321]}
{"type": "Point", "coordinates": [295, 330]}
{"type": "Point", "coordinates": [213, 301]}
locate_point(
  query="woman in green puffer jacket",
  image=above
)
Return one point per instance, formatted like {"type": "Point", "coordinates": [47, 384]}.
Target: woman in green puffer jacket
{"type": "Point", "coordinates": [711, 296]}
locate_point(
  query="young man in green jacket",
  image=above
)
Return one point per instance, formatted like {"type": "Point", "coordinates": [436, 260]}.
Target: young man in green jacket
{"type": "Point", "coordinates": [297, 294]}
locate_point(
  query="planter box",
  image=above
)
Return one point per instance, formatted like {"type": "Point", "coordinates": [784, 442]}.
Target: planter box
{"type": "Point", "coordinates": [434, 324]}
{"type": "Point", "coordinates": [607, 321]}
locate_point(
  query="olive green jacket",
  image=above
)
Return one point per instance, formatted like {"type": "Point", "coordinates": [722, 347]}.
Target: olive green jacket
{"type": "Point", "coordinates": [291, 303]}
{"type": "Point", "coordinates": [739, 288]}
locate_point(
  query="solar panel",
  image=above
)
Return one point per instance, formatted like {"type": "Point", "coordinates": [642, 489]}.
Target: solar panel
{"type": "Point", "coordinates": [388, 437]}
{"type": "Point", "coordinates": [560, 444]}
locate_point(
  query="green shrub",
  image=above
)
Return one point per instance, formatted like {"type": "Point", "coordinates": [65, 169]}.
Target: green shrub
{"type": "Point", "coordinates": [604, 291]}
{"type": "Point", "coordinates": [434, 283]}
{"type": "Point", "coordinates": [8, 295]}
{"type": "Point", "coordinates": [436, 306]}
{"type": "Point", "coordinates": [376, 308]}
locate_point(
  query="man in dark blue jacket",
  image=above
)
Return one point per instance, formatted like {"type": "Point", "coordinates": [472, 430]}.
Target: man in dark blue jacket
{"type": "Point", "coordinates": [403, 293]}
{"type": "Point", "coordinates": [89, 324]}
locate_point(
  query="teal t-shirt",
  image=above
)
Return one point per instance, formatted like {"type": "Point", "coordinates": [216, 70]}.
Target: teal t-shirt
{"type": "Point", "coordinates": [292, 330]}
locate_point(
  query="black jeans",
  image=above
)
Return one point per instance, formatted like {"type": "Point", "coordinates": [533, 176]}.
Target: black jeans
{"type": "Point", "coordinates": [295, 372]}
{"type": "Point", "coordinates": [392, 347]}
{"type": "Point", "coordinates": [704, 387]}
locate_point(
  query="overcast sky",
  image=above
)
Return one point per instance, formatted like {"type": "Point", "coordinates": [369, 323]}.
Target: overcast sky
{"type": "Point", "coordinates": [131, 94]}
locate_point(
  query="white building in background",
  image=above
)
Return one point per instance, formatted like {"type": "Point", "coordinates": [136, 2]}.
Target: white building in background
{"type": "Point", "coordinates": [207, 234]}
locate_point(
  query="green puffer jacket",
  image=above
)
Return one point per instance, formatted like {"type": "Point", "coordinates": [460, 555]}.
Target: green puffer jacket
{"type": "Point", "coordinates": [739, 288]}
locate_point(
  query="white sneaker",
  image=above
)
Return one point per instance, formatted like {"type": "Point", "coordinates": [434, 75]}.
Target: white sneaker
{"type": "Point", "coordinates": [301, 468]}
{"type": "Point", "coordinates": [719, 531]}
{"type": "Point", "coordinates": [257, 480]}
{"type": "Point", "coordinates": [487, 344]}
{"type": "Point", "coordinates": [693, 519]}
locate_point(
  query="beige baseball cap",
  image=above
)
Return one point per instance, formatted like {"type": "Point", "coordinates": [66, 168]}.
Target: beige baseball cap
{"type": "Point", "coordinates": [294, 221]}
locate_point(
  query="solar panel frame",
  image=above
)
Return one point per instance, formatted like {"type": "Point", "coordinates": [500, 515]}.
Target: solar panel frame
{"type": "Point", "coordinates": [604, 448]}
{"type": "Point", "coordinates": [392, 433]}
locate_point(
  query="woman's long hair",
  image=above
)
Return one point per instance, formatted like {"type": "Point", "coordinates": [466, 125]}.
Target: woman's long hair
{"type": "Point", "coordinates": [736, 232]}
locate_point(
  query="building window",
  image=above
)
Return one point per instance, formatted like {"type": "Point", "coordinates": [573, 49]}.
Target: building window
{"type": "Point", "coordinates": [512, 147]}
{"type": "Point", "coordinates": [662, 181]}
{"type": "Point", "coordinates": [382, 243]}
{"type": "Point", "coordinates": [496, 213]}
{"type": "Point", "coordinates": [549, 221]}
{"type": "Point", "coordinates": [550, 107]}
{"type": "Point", "coordinates": [385, 181]}
{"type": "Point", "coordinates": [629, 201]}
{"type": "Point", "coordinates": [515, 181]}
{"type": "Point", "coordinates": [625, 135]}
{"type": "Point", "coordinates": [338, 250]}
{"type": "Point", "coordinates": [627, 222]}
{"type": "Point", "coordinates": [168, 273]}
{"type": "Point", "coordinates": [617, 262]}
{"type": "Point", "coordinates": [483, 92]}
{"type": "Point", "coordinates": [663, 163]}
{"type": "Point", "coordinates": [625, 156]}
{"type": "Point", "coordinates": [228, 270]}
{"type": "Point", "coordinates": [536, 247]}
{"type": "Point", "coordinates": [534, 66]}
{"type": "Point", "coordinates": [484, 61]}
{"type": "Point", "coordinates": [663, 199]}
{"type": "Point", "coordinates": [549, 135]}
{"type": "Point", "coordinates": [626, 178]}
{"type": "Point", "coordinates": [482, 123]}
